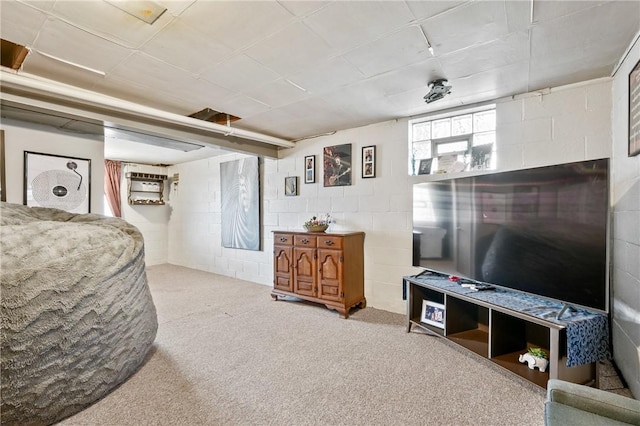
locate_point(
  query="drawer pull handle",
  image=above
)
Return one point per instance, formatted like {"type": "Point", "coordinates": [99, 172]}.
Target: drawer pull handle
{"type": "Point", "coordinates": [283, 239]}
{"type": "Point", "coordinates": [305, 241]}
{"type": "Point", "coordinates": [329, 242]}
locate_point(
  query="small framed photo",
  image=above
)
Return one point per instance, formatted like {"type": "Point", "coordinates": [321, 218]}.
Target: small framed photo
{"type": "Point", "coordinates": [425, 166]}
{"type": "Point", "coordinates": [291, 185]}
{"type": "Point", "coordinates": [310, 169]}
{"type": "Point", "coordinates": [433, 313]}
{"type": "Point", "coordinates": [369, 161]}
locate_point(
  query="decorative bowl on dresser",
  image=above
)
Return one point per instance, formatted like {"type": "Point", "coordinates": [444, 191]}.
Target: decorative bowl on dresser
{"type": "Point", "coordinates": [326, 268]}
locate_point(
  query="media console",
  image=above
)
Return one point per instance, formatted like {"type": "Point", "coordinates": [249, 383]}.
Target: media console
{"type": "Point", "coordinates": [501, 324]}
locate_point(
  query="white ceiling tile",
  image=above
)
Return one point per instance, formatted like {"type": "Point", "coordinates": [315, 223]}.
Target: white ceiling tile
{"type": "Point", "coordinates": [393, 51]}
{"type": "Point", "coordinates": [277, 94]}
{"type": "Point", "coordinates": [127, 90]}
{"type": "Point", "coordinates": [302, 8]}
{"type": "Point", "coordinates": [186, 47]}
{"type": "Point", "coordinates": [518, 15]}
{"type": "Point", "coordinates": [72, 44]}
{"type": "Point", "coordinates": [347, 24]}
{"type": "Point", "coordinates": [240, 73]}
{"type": "Point", "coordinates": [147, 71]}
{"type": "Point", "coordinates": [550, 10]}
{"type": "Point", "coordinates": [599, 49]}
{"type": "Point", "coordinates": [242, 106]}
{"type": "Point", "coordinates": [466, 25]}
{"type": "Point", "coordinates": [105, 20]}
{"type": "Point", "coordinates": [20, 23]}
{"type": "Point", "coordinates": [176, 7]}
{"type": "Point", "coordinates": [427, 9]}
{"type": "Point", "coordinates": [315, 79]}
{"type": "Point", "coordinates": [290, 50]}
{"type": "Point", "coordinates": [237, 24]}
{"type": "Point", "coordinates": [44, 5]}
{"type": "Point", "coordinates": [493, 83]}
{"type": "Point", "coordinates": [486, 56]}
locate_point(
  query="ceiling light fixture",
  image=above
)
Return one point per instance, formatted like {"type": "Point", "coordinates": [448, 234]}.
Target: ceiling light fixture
{"type": "Point", "coordinates": [64, 61]}
{"type": "Point", "coordinates": [144, 10]}
{"type": "Point", "coordinates": [426, 40]}
{"type": "Point", "coordinates": [295, 85]}
{"type": "Point", "coordinates": [438, 90]}
{"type": "Point", "coordinates": [113, 132]}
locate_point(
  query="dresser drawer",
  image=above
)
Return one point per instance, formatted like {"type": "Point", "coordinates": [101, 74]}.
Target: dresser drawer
{"type": "Point", "coordinates": [329, 242]}
{"type": "Point", "coordinates": [283, 239]}
{"type": "Point", "coordinates": [304, 241]}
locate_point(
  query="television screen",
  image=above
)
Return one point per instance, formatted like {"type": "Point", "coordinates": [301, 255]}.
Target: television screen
{"type": "Point", "coordinates": [541, 230]}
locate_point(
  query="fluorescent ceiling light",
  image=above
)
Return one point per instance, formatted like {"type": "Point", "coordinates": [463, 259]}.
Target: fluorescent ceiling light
{"type": "Point", "coordinates": [73, 64]}
{"type": "Point", "coordinates": [147, 11]}
{"type": "Point", "coordinates": [426, 40]}
{"type": "Point", "coordinates": [159, 141]}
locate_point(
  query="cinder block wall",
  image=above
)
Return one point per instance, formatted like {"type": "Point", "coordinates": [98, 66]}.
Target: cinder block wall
{"type": "Point", "coordinates": [564, 124]}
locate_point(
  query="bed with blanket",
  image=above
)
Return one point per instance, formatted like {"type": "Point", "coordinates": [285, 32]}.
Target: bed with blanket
{"type": "Point", "coordinates": [77, 317]}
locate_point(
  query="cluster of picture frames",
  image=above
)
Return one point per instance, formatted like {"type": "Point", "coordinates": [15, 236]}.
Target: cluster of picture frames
{"type": "Point", "coordinates": [337, 167]}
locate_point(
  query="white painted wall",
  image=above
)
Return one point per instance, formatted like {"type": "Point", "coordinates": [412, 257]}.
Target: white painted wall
{"type": "Point", "coordinates": [564, 124]}
{"type": "Point", "coordinates": [21, 136]}
{"type": "Point", "coordinates": [626, 233]}
{"type": "Point", "coordinates": [152, 221]}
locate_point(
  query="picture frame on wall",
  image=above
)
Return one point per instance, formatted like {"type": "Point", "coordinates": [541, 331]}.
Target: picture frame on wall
{"type": "Point", "coordinates": [337, 165]}
{"type": "Point", "coordinates": [240, 200]}
{"type": "Point", "coordinates": [634, 111]}
{"type": "Point", "coordinates": [291, 186]}
{"type": "Point", "coordinates": [57, 181]}
{"type": "Point", "coordinates": [310, 169]}
{"type": "Point", "coordinates": [369, 162]}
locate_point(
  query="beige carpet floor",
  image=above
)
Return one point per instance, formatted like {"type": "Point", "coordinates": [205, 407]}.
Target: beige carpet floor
{"type": "Point", "coordinates": [227, 354]}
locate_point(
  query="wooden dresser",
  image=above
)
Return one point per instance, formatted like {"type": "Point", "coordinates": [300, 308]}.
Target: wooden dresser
{"type": "Point", "coordinates": [325, 268]}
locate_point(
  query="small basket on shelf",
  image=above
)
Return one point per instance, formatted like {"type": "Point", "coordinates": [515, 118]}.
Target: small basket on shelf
{"type": "Point", "coordinates": [317, 224]}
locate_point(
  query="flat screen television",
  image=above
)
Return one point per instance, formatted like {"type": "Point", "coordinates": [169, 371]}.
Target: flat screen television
{"type": "Point", "coordinates": [541, 230]}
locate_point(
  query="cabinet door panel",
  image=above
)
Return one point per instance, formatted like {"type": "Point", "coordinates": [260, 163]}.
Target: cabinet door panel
{"type": "Point", "coordinates": [282, 267]}
{"type": "Point", "coordinates": [304, 271]}
{"type": "Point", "coordinates": [330, 279]}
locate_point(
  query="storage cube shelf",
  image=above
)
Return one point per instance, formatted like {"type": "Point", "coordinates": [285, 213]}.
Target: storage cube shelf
{"type": "Point", "coordinates": [486, 324]}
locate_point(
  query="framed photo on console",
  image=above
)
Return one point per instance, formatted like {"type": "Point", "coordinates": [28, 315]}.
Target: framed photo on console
{"type": "Point", "coordinates": [432, 313]}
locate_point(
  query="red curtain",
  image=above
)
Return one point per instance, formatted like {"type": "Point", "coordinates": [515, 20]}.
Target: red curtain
{"type": "Point", "coordinates": [112, 185]}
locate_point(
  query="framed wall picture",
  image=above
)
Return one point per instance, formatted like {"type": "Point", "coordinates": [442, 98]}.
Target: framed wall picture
{"type": "Point", "coordinates": [240, 198]}
{"type": "Point", "coordinates": [337, 165]}
{"type": "Point", "coordinates": [634, 111]}
{"type": "Point", "coordinates": [369, 161]}
{"type": "Point", "coordinates": [425, 166]}
{"type": "Point", "coordinates": [310, 169]}
{"type": "Point", "coordinates": [57, 181]}
{"type": "Point", "coordinates": [291, 185]}
{"type": "Point", "coordinates": [433, 313]}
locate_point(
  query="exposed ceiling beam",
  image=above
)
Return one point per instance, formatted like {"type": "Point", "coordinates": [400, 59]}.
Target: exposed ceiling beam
{"type": "Point", "coordinates": [53, 96]}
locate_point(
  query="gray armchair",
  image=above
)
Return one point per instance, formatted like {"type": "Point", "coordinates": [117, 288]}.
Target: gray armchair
{"type": "Point", "coordinates": [570, 404]}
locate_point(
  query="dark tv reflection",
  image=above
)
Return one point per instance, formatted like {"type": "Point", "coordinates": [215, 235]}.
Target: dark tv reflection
{"type": "Point", "coordinates": [540, 230]}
